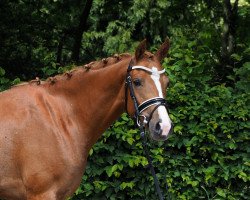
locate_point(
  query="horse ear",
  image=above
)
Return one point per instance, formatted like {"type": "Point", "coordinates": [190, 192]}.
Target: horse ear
{"type": "Point", "coordinates": [140, 49]}
{"type": "Point", "coordinates": [163, 50]}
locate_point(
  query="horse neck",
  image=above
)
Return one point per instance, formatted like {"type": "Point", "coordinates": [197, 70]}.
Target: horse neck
{"type": "Point", "coordinates": [96, 97]}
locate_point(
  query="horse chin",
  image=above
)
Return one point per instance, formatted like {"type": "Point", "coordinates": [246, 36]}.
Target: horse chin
{"type": "Point", "coordinates": [158, 138]}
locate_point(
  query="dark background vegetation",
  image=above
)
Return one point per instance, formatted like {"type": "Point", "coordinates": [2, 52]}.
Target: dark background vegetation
{"type": "Point", "coordinates": [207, 157]}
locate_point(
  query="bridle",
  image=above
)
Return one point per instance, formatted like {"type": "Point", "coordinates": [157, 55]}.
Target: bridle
{"type": "Point", "coordinates": [156, 101]}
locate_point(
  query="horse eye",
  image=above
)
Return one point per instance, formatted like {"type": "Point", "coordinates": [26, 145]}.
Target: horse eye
{"type": "Point", "coordinates": [137, 82]}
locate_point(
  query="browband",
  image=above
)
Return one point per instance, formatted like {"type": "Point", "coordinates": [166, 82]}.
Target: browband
{"type": "Point", "coordinates": [154, 70]}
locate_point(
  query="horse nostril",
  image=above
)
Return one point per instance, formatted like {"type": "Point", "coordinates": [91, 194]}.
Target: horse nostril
{"type": "Point", "coordinates": [158, 128]}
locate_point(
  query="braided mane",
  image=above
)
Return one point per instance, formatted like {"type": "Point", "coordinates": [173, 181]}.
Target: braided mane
{"type": "Point", "coordinates": [105, 62]}
{"type": "Point", "coordinates": [94, 65]}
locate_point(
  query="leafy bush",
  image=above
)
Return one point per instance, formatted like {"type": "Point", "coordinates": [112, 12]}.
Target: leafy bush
{"type": "Point", "coordinates": [207, 157]}
{"type": "Point", "coordinates": [5, 83]}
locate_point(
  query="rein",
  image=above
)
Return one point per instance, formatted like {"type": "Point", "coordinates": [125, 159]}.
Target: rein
{"type": "Point", "coordinates": [157, 101]}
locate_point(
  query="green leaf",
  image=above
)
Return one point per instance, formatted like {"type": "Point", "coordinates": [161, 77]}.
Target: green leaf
{"type": "Point", "coordinates": [130, 140]}
{"type": "Point", "coordinates": [221, 192]}
{"type": "Point", "coordinates": [178, 55]}
{"type": "Point", "coordinates": [16, 81]}
{"type": "Point", "coordinates": [2, 72]}
{"type": "Point", "coordinates": [188, 60]}
{"type": "Point", "coordinates": [127, 185]}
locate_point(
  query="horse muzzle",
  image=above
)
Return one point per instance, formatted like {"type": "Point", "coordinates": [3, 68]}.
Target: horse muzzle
{"type": "Point", "coordinates": [159, 123]}
{"type": "Point", "coordinates": [154, 115]}
{"type": "Point", "coordinates": [159, 130]}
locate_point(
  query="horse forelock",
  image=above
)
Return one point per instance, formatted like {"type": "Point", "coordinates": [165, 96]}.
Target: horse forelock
{"type": "Point", "coordinates": [148, 54]}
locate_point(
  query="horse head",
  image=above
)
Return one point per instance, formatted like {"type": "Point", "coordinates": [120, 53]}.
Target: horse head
{"type": "Point", "coordinates": [147, 84]}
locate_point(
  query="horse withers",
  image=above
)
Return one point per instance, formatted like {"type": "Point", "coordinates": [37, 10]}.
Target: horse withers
{"type": "Point", "coordinates": [47, 128]}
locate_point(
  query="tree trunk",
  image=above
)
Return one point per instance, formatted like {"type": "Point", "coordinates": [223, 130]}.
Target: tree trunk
{"type": "Point", "coordinates": [81, 28]}
{"type": "Point", "coordinates": [228, 36]}
{"type": "Point", "coordinates": [59, 49]}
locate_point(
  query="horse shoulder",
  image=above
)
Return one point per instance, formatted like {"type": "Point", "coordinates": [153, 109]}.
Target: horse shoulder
{"type": "Point", "coordinates": [38, 150]}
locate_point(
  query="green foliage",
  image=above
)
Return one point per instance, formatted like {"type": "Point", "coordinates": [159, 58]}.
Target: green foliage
{"type": "Point", "coordinates": [207, 156]}
{"type": "Point", "coordinates": [4, 82]}
{"type": "Point", "coordinates": [244, 75]}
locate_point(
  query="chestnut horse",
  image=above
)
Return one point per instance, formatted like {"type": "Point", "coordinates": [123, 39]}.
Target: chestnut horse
{"type": "Point", "coordinates": [47, 128]}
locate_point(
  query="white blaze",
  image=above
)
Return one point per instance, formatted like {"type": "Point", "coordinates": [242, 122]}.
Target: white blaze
{"type": "Point", "coordinates": [162, 111]}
